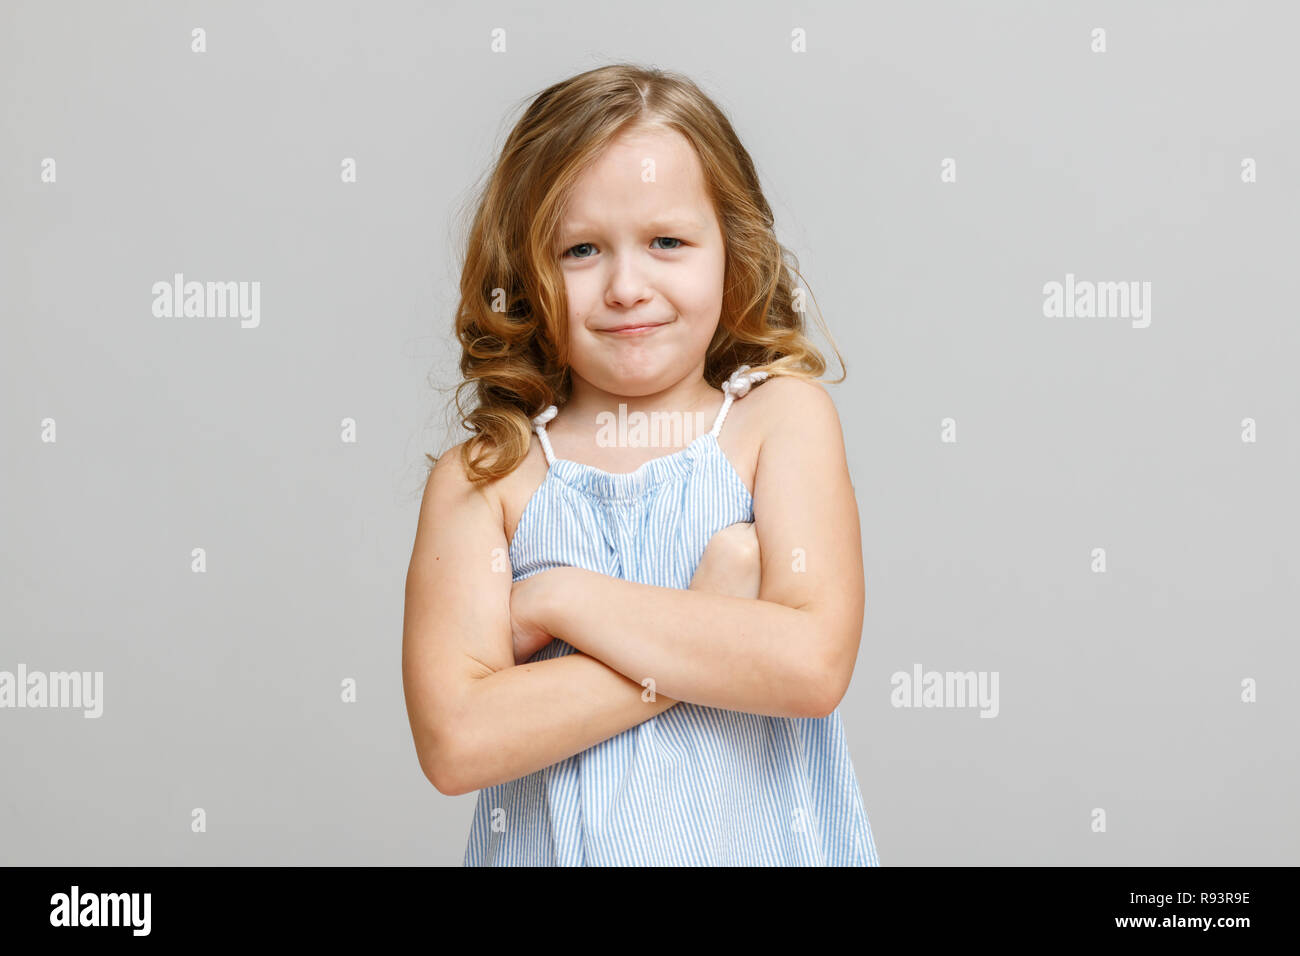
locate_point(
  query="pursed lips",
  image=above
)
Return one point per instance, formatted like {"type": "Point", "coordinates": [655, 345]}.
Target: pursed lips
{"type": "Point", "coordinates": [634, 329]}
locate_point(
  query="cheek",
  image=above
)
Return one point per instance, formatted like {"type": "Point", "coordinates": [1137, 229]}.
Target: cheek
{"type": "Point", "coordinates": [581, 293]}
{"type": "Point", "coordinates": [701, 291]}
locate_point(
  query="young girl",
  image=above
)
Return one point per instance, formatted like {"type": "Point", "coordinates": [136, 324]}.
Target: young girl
{"type": "Point", "coordinates": [566, 651]}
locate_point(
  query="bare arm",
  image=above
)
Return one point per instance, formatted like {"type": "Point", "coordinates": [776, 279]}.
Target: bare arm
{"type": "Point", "coordinates": [788, 653]}
{"type": "Point", "coordinates": [478, 720]}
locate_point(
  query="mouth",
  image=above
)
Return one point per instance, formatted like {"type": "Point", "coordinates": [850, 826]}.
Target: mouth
{"type": "Point", "coordinates": [630, 330]}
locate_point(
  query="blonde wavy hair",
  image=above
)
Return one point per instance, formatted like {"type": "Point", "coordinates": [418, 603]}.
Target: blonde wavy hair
{"type": "Point", "coordinates": [512, 320]}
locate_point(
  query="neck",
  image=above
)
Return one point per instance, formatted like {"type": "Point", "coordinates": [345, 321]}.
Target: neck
{"type": "Point", "coordinates": [683, 410]}
{"type": "Point", "coordinates": [691, 395]}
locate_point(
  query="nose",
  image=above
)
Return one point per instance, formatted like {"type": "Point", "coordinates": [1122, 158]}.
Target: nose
{"type": "Point", "coordinates": [627, 286]}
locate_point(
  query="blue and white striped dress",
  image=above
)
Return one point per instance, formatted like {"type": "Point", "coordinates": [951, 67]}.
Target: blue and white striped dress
{"type": "Point", "coordinates": [693, 786]}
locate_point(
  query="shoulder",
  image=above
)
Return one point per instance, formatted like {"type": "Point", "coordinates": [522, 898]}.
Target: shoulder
{"type": "Point", "coordinates": [504, 496]}
{"type": "Point", "coordinates": [788, 403]}
{"type": "Point", "coordinates": [804, 393]}
{"type": "Point", "coordinates": [449, 483]}
{"type": "Point", "coordinates": [448, 472]}
{"type": "Point", "coordinates": [797, 422]}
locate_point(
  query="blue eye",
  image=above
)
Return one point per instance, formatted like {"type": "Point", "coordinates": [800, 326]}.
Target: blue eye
{"type": "Point", "coordinates": [569, 251]}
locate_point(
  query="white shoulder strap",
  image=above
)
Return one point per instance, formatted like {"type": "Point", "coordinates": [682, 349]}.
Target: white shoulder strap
{"type": "Point", "coordinates": [539, 426]}
{"type": "Point", "coordinates": [737, 386]}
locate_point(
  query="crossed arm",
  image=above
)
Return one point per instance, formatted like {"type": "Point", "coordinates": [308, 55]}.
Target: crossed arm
{"type": "Point", "coordinates": [478, 720]}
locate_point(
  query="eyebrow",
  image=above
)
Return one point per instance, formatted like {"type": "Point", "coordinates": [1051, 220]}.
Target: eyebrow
{"type": "Point", "coordinates": [662, 226]}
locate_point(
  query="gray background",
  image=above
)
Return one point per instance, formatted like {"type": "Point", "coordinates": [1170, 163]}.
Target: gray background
{"type": "Point", "coordinates": [1118, 690]}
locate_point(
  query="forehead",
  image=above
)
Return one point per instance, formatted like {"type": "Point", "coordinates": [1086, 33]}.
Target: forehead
{"type": "Point", "coordinates": [643, 174]}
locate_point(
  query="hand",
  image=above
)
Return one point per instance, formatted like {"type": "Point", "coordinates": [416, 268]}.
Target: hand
{"type": "Point", "coordinates": [525, 614]}
{"type": "Point", "coordinates": [731, 563]}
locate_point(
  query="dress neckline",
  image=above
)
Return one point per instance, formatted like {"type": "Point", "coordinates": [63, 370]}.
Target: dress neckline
{"type": "Point", "coordinates": [630, 484]}
{"type": "Point", "coordinates": [591, 482]}
{"type": "Point", "coordinates": [641, 467]}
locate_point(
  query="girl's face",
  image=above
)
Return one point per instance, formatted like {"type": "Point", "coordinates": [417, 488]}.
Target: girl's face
{"type": "Point", "coordinates": [640, 246]}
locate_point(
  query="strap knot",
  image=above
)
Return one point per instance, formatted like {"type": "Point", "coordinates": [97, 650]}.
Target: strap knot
{"type": "Point", "coordinates": [737, 386]}
{"type": "Point", "coordinates": [550, 412]}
